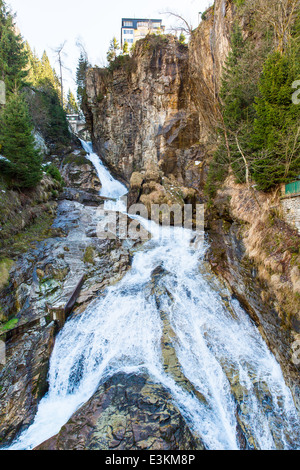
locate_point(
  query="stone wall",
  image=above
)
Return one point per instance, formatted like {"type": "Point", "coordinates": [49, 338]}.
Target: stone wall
{"type": "Point", "coordinates": [291, 210]}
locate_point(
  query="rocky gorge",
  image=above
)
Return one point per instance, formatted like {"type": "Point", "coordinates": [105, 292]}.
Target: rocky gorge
{"type": "Point", "coordinates": [158, 138]}
{"type": "Point", "coordinates": [169, 347]}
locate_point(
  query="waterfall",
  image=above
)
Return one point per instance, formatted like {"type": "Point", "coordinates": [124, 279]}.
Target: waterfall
{"type": "Point", "coordinates": [220, 351]}
{"type": "Point", "coordinates": [111, 188]}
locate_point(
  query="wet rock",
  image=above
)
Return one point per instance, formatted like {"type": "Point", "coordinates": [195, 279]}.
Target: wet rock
{"type": "Point", "coordinates": [41, 280]}
{"type": "Point", "coordinates": [128, 412]}
{"type": "Point", "coordinates": [145, 120]}
{"type": "Point", "coordinates": [79, 172]}
{"type": "Point", "coordinates": [23, 380]}
{"type": "Point", "coordinates": [88, 197]}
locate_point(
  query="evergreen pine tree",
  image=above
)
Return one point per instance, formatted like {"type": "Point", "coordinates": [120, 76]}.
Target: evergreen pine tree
{"type": "Point", "coordinates": [182, 38]}
{"type": "Point", "coordinates": [276, 139]}
{"type": "Point", "coordinates": [13, 56]}
{"type": "Point", "coordinates": [82, 68]}
{"type": "Point", "coordinates": [126, 48]}
{"type": "Point", "coordinates": [232, 90]}
{"type": "Point", "coordinates": [47, 77]}
{"type": "Point", "coordinates": [18, 144]}
{"type": "Point", "coordinates": [71, 105]}
{"type": "Point", "coordinates": [33, 67]}
{"type": "Point", "coordinates": [113, 50]}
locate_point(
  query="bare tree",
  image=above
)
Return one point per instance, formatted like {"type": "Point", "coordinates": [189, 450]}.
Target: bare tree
{"type": "Point", "coordinates": [183, 26]}
{"type": "Point", "coordinates": [59, 52]}
{"type": "Point", "coordinates": [279, 14]}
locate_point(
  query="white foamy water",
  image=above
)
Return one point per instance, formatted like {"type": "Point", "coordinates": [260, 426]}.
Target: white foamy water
{"type": "Point", "coordinates": [219, 349]}
{"type": "Point", "coordinates": [111, 188]}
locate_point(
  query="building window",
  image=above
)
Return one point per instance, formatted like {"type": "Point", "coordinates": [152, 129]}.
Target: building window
{"type": "Point", "coordinates": [128, 31]}
{"type": "Point", "coordinates": [156, 25]}
{"type": "Point", "coordinates": [128, 24]}
{"type": "Point", "coordinates": [143, 24]}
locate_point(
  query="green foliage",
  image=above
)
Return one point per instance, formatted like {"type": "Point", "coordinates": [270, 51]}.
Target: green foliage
{"type": "Point", "coordinates": [82, 67]}
{"type": "Point", "coordinates": [45, 77]}
{"type": "Point", "coordinates": [236, 99]}
{"type": "Point", "coordinates": [121, 61]}
{"type": "Point", "coordinates": [182, 38]}
{"type": "Point", "coordinates": [54, 172]}
{"type": "Point", "coordinates": [13, 56]}
{"type": "Point", "coordinates": [273, 106]}
{"type": "Point", "coordinates": [18, 144]}
{"type": "Point", "coordinates": [9, 325]}
{"type": "Point", "coordinates": [89, 255]}
{"type": "Point", "coordinates": [56, 129]}
{"type": "Point", "coordinates": [153, 42]}
{"type": "Point", "coordinates": [112, 53]}
{"type": "Point", "coordinates": [259, 131]}
{"type": "Point", "coordinates": [5, 266]}
{"type": "Point", "coordinates": [238, 90]}
{"type": "Point", "coordinates": [276, 137]}
{"type": "Point", "coordinates": [45, 108]}
{"type": "Point", "coordinates": [39, 108]}
{"type": "Point", "coordinates": [71, 106]}
{"type": "Point", "coordinates": [239, 3]}
{"type": "Point", "coordinates": [126, 48]}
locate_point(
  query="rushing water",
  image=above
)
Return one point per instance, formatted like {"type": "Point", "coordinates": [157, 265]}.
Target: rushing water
{"type": "Point", "coordinates": [219, 349]}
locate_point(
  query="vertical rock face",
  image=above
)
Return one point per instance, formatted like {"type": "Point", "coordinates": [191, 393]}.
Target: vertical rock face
{"type": "Point", "coordinates": [208, 49]}
{"type": "Point", "coordinates": [153, 116]}
{"type": "Point", "coordinates": [156, 108]}
{"type": "Point", "coordinates": [142, 115]}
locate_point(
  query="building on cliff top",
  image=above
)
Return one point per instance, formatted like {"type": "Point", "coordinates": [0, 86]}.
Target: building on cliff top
{"type": "Point", "coordinates": [134, 29]}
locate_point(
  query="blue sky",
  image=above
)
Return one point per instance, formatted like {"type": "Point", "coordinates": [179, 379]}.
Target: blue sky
{"type": "Point", "coordinates": [47, 24]}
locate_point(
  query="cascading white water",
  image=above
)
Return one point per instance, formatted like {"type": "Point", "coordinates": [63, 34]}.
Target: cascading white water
{"type": "Point", "coordinates": [219, 349]}
{"type": "Point", "coordinates": [111, 188]}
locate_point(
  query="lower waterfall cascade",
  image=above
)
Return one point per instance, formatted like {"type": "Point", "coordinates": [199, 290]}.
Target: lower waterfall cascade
{"type": "Point", "coordinates": [221, 353]}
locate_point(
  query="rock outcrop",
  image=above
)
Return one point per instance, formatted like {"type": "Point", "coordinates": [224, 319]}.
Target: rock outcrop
{"type": "Point", "coordinates": [257, 254]}
{"type": "Point", "coordinates": [18, 211]}
{"type": "Point", "coordinates": [78, 172]}
{"type": "Point", "coordinates": [154, 111]}
{"type": "Point", "coordinates": [128, 412]}
{"type": "Point", "coordinates": [151, 117]}
{"type": "Point", "coordinates": [143, 120]}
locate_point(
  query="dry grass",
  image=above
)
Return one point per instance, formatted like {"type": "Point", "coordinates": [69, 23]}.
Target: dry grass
{"type": "Point", "coordinates": [5, 267]}
{"type": "Point", "coordinates": [271, 243]}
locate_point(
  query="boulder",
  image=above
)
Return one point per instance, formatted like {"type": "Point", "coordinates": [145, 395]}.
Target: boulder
{"type": "Point", "coordinates": [128, 412]}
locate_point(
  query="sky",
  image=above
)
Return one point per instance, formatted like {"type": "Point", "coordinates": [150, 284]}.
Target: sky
{"type": "Point", "coordinates": [48, 24]}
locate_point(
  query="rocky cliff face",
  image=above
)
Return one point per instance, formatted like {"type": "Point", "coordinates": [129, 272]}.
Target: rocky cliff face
{"type": "Point", "coordinates": [141, 111]}
{"type": "Point", "coordinates": [257, 254]}
{"type": "Point", "coordinates": [152, 113]}
{"type": "Point", "coordinates": [151, 119]}
{"type": "Point", "coordinates": [143, 120]}
{"type": "Point", "coordinates": [208, 49]}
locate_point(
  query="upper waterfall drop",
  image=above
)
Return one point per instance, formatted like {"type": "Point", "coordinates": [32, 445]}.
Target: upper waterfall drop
{"type": "Point", "coordinates": [111, 188]}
